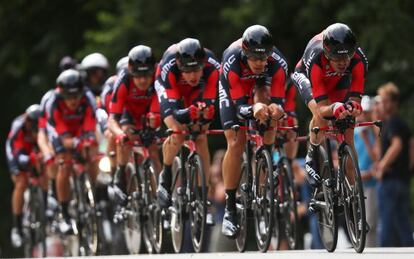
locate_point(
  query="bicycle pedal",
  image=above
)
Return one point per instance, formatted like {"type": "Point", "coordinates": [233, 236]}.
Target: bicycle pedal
{"type": "Point", "coordinates": [313, 208]}
{"type": "Point", "coordinates": [239, 206]}
{"type": "Point", "coordinates": [172, 210]}
{"type": "Point", "coordinates": [244, 187]}
{"type": "Point", "coordinates": [181, 191]}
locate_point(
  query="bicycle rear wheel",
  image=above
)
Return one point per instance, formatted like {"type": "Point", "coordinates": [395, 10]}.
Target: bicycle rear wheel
{"type": "Point", "coordinates": [288, 201]}
{"type": "Point", "coordinates": [264, 200]}
{"type": "Point", "coordinates": [132, 223]}
{"type": "Point", "coordinates": [327, 219]}
{"type": "Point", "coordinates": [87, 217]}
{"type": "Point", "coordinates": [177, 211]}
{"type": "Point", "coordinates": [353, 199]}
{"type": "Point", "coordinates": [197, 202]}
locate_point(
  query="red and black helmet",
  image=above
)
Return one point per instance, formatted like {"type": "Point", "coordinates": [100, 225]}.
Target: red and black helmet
{"type": "Point", "coordinates": [257, 42]}
{"type": "Point", "coordinates": [141, 61]}
{"type": "Point", "coordinates": [339, 41]}
{"type": "Point", "coordinates": [190, 55]}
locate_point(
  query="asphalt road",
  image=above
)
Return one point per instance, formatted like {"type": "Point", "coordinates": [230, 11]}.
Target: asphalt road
{"type": "Point", "coordinates": [369, 253]}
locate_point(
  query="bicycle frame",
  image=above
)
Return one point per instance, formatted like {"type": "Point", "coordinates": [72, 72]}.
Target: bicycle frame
{"type": "Point", "coordinates": [337, 132]}
{"type": "Point", "coordinates": [190, 145]}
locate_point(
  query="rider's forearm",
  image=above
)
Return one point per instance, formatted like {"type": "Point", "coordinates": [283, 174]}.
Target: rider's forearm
{"type": "Point", "coordinates": [43, 142]}
{"type": "Point", "coordinates": [114, 127]}
{"type": "Point", "coordinates": [326, 111]}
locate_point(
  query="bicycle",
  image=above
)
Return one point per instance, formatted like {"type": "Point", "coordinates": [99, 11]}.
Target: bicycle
{"type": "Point", "coordinates": [189, 193]}
{"type": "Point", "coordinates": [338, 193]}
{"type": "Point", "coordinates": [82, 206]}
{"type": "Point", "coordinates": [34, 218]}
{"type": "Point", "coordinates": [255, 195]}
{"type": "Point", "coordinates": [141, 214]}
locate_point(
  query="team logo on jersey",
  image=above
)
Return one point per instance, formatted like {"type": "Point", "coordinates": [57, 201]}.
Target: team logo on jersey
{"type": "Point", "coordinates": [227, 64]}
{"type": "Point", "coordinates": [224, 99]}
{"type": "Point", "coordinates": [333, 73]}
{"type": "Point", "coordinates": [166, 68]}
{"type": "Point", "coordinates": [281, 61]}
{"type": "Point", "coordinates": [214, 63]}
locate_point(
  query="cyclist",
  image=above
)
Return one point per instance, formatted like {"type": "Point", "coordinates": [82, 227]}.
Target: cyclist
{"type": "Point", "coordinates": [134, 97]}
{"type": "Point", "coordinates": [252, 84]}
{"type": "Point", "coordinates": [45, 146]}
{"type": "Point", "coordinates": [103, 110]}
{"type": "Point", "coordinates": [21, 152]}
{"type": "Point", "coordinates": [330, 78]}
{"type": "Point", "coordinates": [96, 67]}
{"type": "Point", "coordinates": [71, 127]}
{"type": "Point", "coordinates": [187, 79]}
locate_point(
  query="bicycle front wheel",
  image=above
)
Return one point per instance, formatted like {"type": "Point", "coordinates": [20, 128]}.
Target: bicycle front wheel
{"type": "Point", "coordinates": [132, 223]}
{"type": "Point", "coordinates": [242, 197]}
{"type": "Point", "coordinates": [326, 214]}
{"type": "Point", "coordinates": [264, 200]}
{"type": "Point", "coordinates": [87, 217]}
{"type": "Point", "coordinates": [353, 199]}
{"type": "Point", "coordinates": [198, 202]}
{"type": "Point", "coordinates": [177, 224]}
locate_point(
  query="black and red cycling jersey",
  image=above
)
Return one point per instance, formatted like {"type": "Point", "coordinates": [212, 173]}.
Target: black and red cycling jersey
{"type": "Point", "coordinates": [324, 81]}
{"type": "Point", "coordinates": [290, 103]}
{"type": "Point", "coordinates": [49, 95]}
{"type": "Point", "coordinates": [75, 123]}
{"type": "Point", "coordinates": [172, 88]}
{"type": "Point", "coordinates": [128, 100]}
{"type": "Point", "coordinates": [19, 141]}
{"type": "Point", "coordinates": [236, 75]}
{"type": "Point", "coordinates": [238, 82]}
{"type": "Point", "coordinates": [108, 90]}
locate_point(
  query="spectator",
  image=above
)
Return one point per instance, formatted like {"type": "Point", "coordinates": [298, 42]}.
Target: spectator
{"type": "Point", "coordinates": [365, 148]}
{"type": "Point", "coordinates": [393, 173]}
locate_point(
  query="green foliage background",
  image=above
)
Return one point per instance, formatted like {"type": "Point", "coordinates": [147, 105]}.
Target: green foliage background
{"type": "Point", "coordinates": [34, 35]}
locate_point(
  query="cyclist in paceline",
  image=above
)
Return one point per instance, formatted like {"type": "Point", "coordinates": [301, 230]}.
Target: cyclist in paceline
{"type": "Point", "coordinates": [252, 84]}
{"type": "Point", "coordinates": [330, 78]}
{"type": "Point", "coordinates": [186, 77]}
{"type": "Point", "coordinates": [134, 103]}
{"type": "Point", "coordinates": [71, 128]}
{"type": "Point", "coordinates": [20, 147]}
